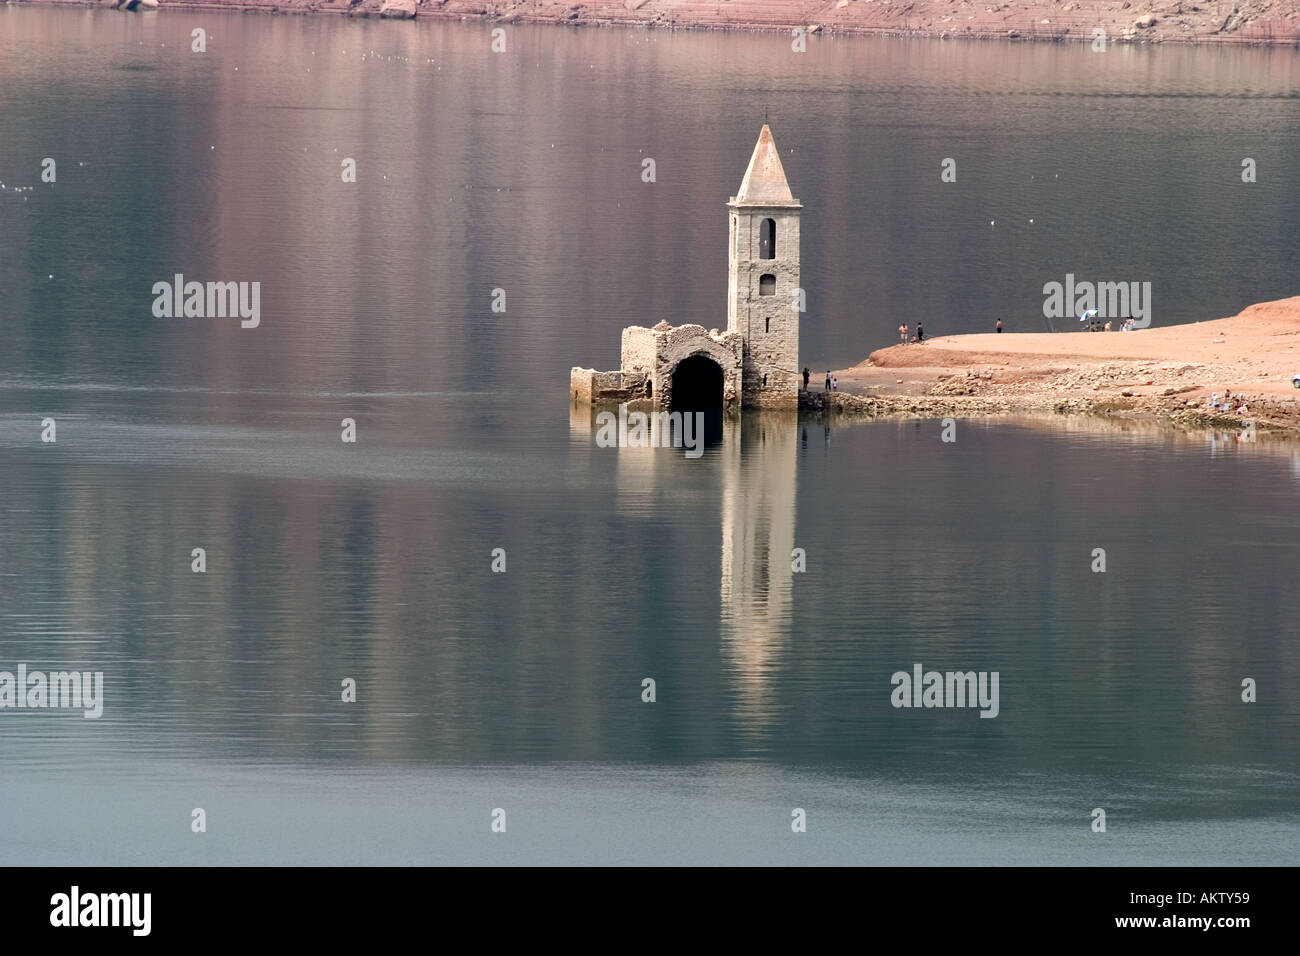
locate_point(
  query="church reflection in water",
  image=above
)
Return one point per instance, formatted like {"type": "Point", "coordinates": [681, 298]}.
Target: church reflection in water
{"type": "Point", "coordinates": [750, 462]}
{"type": "Point", "coordinates": [758, 516]}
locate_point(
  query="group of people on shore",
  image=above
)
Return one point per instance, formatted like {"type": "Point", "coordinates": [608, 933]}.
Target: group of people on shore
{"type": "Point", "coordinates": [905, 337]}
{"type": "Point", "coordinates": [916, 339]}
{"type": "Point", "coordinates": [1096, 325]}
{"type": "Point", "coordinates": [832, 382]}
{"type": "Point", "coordinates": [1230, 404]}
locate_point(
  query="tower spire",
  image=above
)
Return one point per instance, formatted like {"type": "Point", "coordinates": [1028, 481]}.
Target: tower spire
{"type": "Point", "coordinates": [765, 181]}
{"type": "Point", "coordinates": [763, 279]}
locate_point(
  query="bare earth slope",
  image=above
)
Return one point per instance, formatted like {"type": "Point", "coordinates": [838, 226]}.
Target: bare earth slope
{"type": "Point", "coordinates": [1164, 371]}
{"type": "Point", "coordinates": [1255, 21]}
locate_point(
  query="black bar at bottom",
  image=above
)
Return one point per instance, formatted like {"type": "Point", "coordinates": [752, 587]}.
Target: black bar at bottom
{"type": "Point", "coordinates": [337, 905]}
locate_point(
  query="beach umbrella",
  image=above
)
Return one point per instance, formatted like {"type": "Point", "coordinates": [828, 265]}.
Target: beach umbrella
{"type": "Point", "coordinates": [1087, 315]}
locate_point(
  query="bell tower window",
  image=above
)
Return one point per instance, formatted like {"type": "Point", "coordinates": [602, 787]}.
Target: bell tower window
{"type": "Point", "coordinates": [767, 239]}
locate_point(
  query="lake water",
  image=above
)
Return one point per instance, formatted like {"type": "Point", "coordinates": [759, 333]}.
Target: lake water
{"type": "Point", "coordinates": [372, 561]}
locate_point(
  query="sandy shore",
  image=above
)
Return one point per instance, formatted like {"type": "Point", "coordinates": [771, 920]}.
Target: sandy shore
{"type": "Point", "coordinates": [1148, 21]}
{"type": "Point", "coordinates": [1163, 373]}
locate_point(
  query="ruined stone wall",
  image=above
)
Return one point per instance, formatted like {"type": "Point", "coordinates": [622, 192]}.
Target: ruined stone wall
{"type": "Point", "coordinates": [640, 349]}
{"type": "Point", "coordinates": [650, 356]}
{"type": "Point", "coordinates": [604, 388]}
{"type": "Point", "coordinates": [682, 341]}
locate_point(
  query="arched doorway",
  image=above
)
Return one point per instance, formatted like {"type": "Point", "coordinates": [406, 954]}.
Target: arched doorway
{"type": "Point", "coordinates": [697, 385]}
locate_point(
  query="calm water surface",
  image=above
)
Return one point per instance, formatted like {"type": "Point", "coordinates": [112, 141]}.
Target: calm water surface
{"type": "Point", "coordinates": [522, 690]}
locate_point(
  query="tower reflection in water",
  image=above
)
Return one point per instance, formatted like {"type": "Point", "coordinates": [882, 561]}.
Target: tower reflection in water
{"type": "Point", "coordinates": [751, 460]}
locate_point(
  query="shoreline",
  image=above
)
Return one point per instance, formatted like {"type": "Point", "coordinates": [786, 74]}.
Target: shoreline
{"type": "Point", "coordinates": [1167, 374]}
{"type": "Point", "coordinates": [1270, 23]}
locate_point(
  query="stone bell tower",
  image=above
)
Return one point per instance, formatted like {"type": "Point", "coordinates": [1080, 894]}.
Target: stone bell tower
{"type": "Point", "coordinates": [763, 293]}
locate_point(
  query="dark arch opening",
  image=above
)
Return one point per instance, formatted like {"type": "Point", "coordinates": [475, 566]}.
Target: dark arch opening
{"type": "Point", "coordinates": [767, 239]}
{"type": "Point", "coordinates": [697, 385]}
{"type": "Point", "coordinates": [767, 284]}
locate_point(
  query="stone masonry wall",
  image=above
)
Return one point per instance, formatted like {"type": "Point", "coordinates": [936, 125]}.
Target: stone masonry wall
{"type": "Point", "coordinates": [768, 323]}
{"type": "Point", "coordinates": [640, 349]}
{"type": "Point", "coordinates": [683, 341]}
{"type": "Point", "coordinates": [602, 388]}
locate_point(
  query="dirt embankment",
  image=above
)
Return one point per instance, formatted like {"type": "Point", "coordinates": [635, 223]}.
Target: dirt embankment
{"type": "Point", "coordinates": [1171, 373]}
{"type": "Point", "coordinates": [1250, 21]}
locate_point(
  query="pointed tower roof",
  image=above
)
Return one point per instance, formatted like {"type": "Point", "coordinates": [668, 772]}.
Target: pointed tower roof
{"type": "Point", "coordinates": [765, 183]}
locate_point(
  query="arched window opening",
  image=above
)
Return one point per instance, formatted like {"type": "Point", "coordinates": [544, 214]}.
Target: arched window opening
{"type": "Point", "coordinates": [767, 284]}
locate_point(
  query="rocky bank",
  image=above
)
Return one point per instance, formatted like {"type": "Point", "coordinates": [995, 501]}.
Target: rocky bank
{"type": "Point", "coordinates": [1142, 21]}
{"type": "Point", "coordinates": [1169, 374]}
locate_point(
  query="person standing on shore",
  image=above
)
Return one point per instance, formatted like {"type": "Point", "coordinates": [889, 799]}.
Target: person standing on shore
{"type": "Point", "coordinates": [806, 375]}
{"type": "Point", "coordinates": [828, 380]}
{"type": "Point", "coordinates": [920, 334]}
{"type": "Point", "coordinates": [999, 325]}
